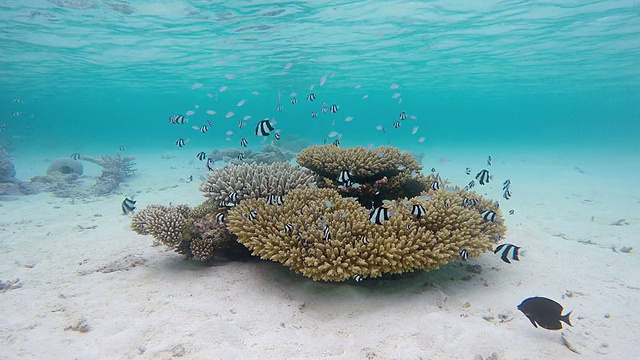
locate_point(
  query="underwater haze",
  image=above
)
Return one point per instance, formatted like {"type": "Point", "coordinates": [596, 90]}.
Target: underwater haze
{"type": "Point", "coordinates": [80, 75]}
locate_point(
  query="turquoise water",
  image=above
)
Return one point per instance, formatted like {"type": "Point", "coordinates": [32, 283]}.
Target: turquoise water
{"type": "Point", "coordinates": [100, 74]}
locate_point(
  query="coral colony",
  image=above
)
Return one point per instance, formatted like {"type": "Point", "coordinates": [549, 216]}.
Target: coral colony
{"type": "Point", "coordinates": [343, 213]}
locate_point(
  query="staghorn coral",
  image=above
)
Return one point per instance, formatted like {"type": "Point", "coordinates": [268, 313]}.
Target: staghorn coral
{"type": "Point", "coordinates": [165, 224]}
{"type": "Point", "coordinates": [364, 166]}
{"type": "Point", "coordinates": [255, 181]}
{"type": "Point", "coordinates": [356, 246]}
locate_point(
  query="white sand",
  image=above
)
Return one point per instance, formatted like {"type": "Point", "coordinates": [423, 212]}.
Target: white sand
{"type": "Point", "coordinates": [166, 307]}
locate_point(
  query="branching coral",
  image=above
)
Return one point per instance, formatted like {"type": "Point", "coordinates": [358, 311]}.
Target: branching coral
{"type": "Point", "coordinates": [165, 224]}
{"type": "Point", "coordinates": [295, 233]}
{"type": "Point", "coordinates": [255, 181]}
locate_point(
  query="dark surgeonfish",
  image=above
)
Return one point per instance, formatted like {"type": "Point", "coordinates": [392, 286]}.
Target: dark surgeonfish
{"type": "Point", "coordinates": [128, 206]}
{"type": "Point", "coordinates": [507, 251]}
{"type": "Point", "coordinates": [544, 312]}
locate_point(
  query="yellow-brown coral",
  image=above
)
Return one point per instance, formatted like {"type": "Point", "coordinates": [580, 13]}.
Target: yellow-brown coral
{"type": "Point", "coordinates": [254, 181]}
{"type": "Point", "coordinates": [293, 233]}
{"type": "Point", "coordinates": [363, 165]}
{"type": "Point", "coordinates": [165, 224]}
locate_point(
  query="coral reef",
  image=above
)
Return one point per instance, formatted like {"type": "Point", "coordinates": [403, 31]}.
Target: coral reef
{"type": "Point", "coordinates": [269, 154]}
{"type": "Point", "coordinates": [65, 166]}
{"type": "Point", "coordinates": [255, 181]}
{"type": "Point", "coordinates": [114, 170]}
{"type": "Point", "coordinates": [295, 234]}
{"type": "Point", "coordinates": [9, 185]}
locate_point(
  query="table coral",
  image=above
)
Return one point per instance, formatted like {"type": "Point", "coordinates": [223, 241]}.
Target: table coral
{"type": "Point", "coordinates": [294, 233]}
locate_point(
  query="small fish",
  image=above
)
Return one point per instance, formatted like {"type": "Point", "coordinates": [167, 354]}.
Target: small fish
{"type": "Point", "coordinates": [253, 214]}
{"type": "Point", "coordinates": [121, 148]}
{"type": "Point", "coordinates": [314, 114]}
{"type": "Point", "coordinates": [464, 254]}
{"type": "Point", "coordinates": [333, 108]}
{"type": "Point", "coordinates": [396, 124]}
{"type": "Point", "coordinates": [403, 116]}
{"type": "Point", "coordinates": [327, 233]}
{"type": "Point", "coordinates": [435, 185]}
{"type": "Point", "coordinates": [433, 170]}
{"type": "Point", "coordinates": [506, 194]}
{"type": "Point", "coordinates": [226, 204]}
{"type": "Point", "coordinates": [75, 156]}
{"type": "Point", "coordinates": [190, 178]}
{"type": "Point", "coordinates": [201, 156]}
{"type": "Point", "coordinates": [208, 122]}
{"type": "Point", "coordinates": [220, 218]}
{"type": "Point", "coordinates": [278, 107]}
{"type": "Point", "coordinates": [264, 127]}
{"type": "Point", "coordinates": [469, 202]}
{"type": "Point", "coordinates": [210, 164]}
{"type": "Point", "coordinates": [243, 142]}
{"type": "Point", "coordinates": [358, 278]}
{"type": "Point", "coordinates": [364, 239]}
{"type": "Point", "coordinates": [240, 124]}
{"type": "Point", "coordinates": [204, 129]}
{"type": "Point", "coordinates": [506, 184]}
{"type": "Point", "coordinates": [177, 119]}
{"type": "Point", "coordinates": [344, 177]}
{"type": "Point", "coordinates": [233, 197]}
{"type": "Point", "coordinates": [181, 142]}
{"type": "Point", "coordinates": [483, 177]}
{"type": "Point", "coordinates": [511, 212]}
{"type": "Point", "coordinates": [507, 251]}
{"type": "Point", "coordinates": [18, 100]}
{"type": "Point", "coordinates": [240, 156]}
{"type": "Point", "coordinates": [489, 160]}
{"type": "Point", "coordinates": [336, 142]}
{"type": "Point", "coordinates": [229, 114]}
{"type": "Point", "coordinates": [276, 135]}
{"type": "Point", "coordinates": [471, 184]}
{"type": "Point", "coordinates": [544, 312]}
{"type": "Point", "coordinates": [17, 113]}
{"type": "Point", "coordinates": [288, 228]}
{"type": "Point", "coordinates": [417, 210]}
{"type": "Point", "coordinates": [311, 97]}
{"type": "Point", "coordinates": [379, 215]}
{"type": "Point", "coordinates": [190, 112]}
{"type": "Point", "coordinates": [467, 171]}
{"type": "Point", "coordinates": [323, 109]}
{"type": "Point", "coordinates": [489, 215]}
{"type": "Point", "coordinates": [293, 101]}
{"type": "Point", "coordinates": [275, 200]}
{"type": "Point", "coordinates": [128, 206]}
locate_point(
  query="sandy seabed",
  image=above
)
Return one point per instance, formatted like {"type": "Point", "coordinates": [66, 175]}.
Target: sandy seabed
{"type": "Point", "coordinates": [90, 288]}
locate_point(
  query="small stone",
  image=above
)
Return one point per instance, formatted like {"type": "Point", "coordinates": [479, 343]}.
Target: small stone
{"type": "Point", "coordinates": [178, 351]}
{"type": "Point", "coordinates": [606, 316]}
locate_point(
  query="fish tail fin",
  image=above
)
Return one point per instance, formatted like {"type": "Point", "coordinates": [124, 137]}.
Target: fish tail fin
{"type": "Point", "coordinates": [566, 319]}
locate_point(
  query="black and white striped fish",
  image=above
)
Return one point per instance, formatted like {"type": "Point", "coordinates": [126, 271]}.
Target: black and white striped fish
{"type": "Point", "coordinates": [210, 164]}
{"type": "Point", "coordinates": [264, 127]}
{"type": "Point", "coordinates": [293, 101]}
{"type": "Point", "coordinates": [489, 160]}
{"type": "Point", "coordinates": [220, 218]}
{"type": "Point", "coordinates": [469, 202]}
{"type": "Point", "coordinates": [364, 240]}
{"type": "Point", "coordinates": [181, 142]}
{"type": "Point", "coordinates": [467, 171]}
{"type": "Point", "coordinates": [358, 278]}
{"type": "Point", "coordinates": [233, 197]}
{"type": "Point", "coordinates": [252, 215]}
{"type": "Point", "coordinates": [506, 184]}
{"type": "Point", "coordinates": [289, 227]}
{"type": "Point", "coordinates": [121, 148]}
{"type": "Point", "coordinates": [201, 155]}
{"type": "Point", "coordinates": [435, 185]}
{"type": "Point", "coordinates": [403, 116]}
{"type": "Point", "coordinates": [204, 129]}
{"type": "Point", "coordinates": [240, 124]}
{"type": "Point", "coordinates": [275, 200]}
{"type": "Point", "coordinates": [464, 254]}
{"type": "Point", "coordinates": [243, 142]}
{"type": "Point", "coordinates": [396, 124]}
{"type": "Point", "coordinates": [333, 108]}
{"type": "Point", "coordinates": [323, 109]}
{"type": "Point", "coordinates": [314, 114]}
{"type": "Point", "coordinates": [278, 107]}
{"type": "Point", "coordinates": [490, 215]}
{"type": "Point", "coordinates": [75, 156]}
{"type": "Point", "coordinates": [240, 156]}
{"type": "Point", "coordinates": [344, 177]}
{"type": "Point", "coordinates": [177, 119]}
{"type": "Point", "coordinates": [336, 142]}
{"type": "Point", "coordinates": [276, 135]}
{"type": "Point", "coordinates": [507, 251]}
{"type": "Point", "coordinates": [483, 177]}
{"type": "Point", "coordinates": [506, 194]}
{"type": "Point", "coordinates": [311, 97]}
{"type": "Point", "coordinates": [128, 206]}
{"type": "Point", "coordinates": [417, 210]}
{"type": "Point", "coordinates": [506, 189]}
{"type": "Point", "coordinates": [326, 232]}
{"type": "Point", "coordinates": [379, 215]}
{"type": "Point", "coordinates": [511, 212]}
